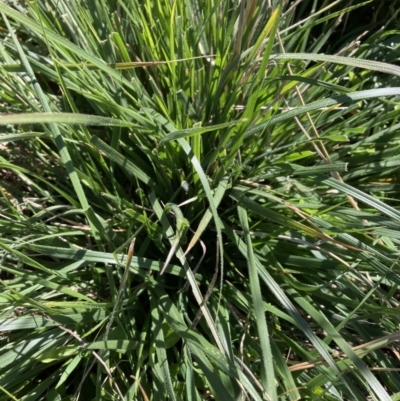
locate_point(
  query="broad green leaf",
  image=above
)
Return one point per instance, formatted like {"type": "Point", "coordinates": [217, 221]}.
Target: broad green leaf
{"type": "Point", "coordinates": [60, 118]}
{"type": "Point", "coordinates": [58, 354]}
{"type": "Point", "coordinates": [268, 379]}
{"type": "Point", "coordinates": [350, 61]}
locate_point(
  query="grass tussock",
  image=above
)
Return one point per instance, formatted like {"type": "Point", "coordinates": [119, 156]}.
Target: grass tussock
{"type": "Point", "coordinates": [199, 200]}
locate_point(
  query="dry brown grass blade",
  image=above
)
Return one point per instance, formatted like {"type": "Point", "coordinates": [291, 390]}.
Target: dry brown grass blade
{"type": "Point", "coordinates": [361, 350]}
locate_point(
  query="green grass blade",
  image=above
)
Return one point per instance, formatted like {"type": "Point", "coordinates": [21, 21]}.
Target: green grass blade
{"type": "Point", "coordinates": [268, 377]}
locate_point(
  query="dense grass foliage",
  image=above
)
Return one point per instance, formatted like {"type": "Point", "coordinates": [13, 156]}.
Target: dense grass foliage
{"type": "Point", "coordinates": [199, 200]}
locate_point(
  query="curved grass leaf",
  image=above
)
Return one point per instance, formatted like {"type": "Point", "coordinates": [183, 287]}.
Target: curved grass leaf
{"type": "Point", "coordinates": [350, 61]}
